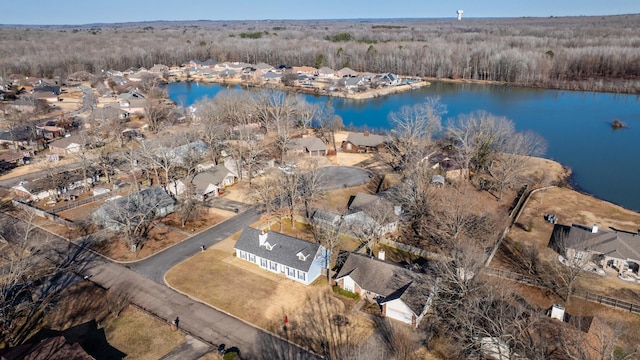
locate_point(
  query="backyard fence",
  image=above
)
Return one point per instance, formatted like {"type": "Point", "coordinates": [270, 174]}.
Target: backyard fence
{"type": "Point", "coordinates": [75, 204]}
{"type": "Point", "coordinates": [39, 212]}
{"type": "Point", "coordinates": [600, 299]}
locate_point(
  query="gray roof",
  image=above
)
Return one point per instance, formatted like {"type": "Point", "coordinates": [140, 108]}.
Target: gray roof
{"type": "Point", "coordinates": [64, 178]}
{"type": "Point", "coordinates": [345, 71]}
{"type": "Point", "coordinates": [326, 71]}
{"type": "Point", "coordinates": [142, 203]}
{"type": "Point", "coordinates": [616, 244]}
{"type": "Point", "coordinates": [308, 144]}
{"type": "Point", "coordinates": [366, 139]}
{"type": "Point", "coordinates": [325, 216]}
{"type": "Point", "coordinates": [215, 176]}
{"type": "Point", "coordinates": [66, 141]}
{"type": "Point", "coordinates": [389, 280]}
{"type": "Point", "coordinates": [271, 75]}
{"type": "Point", "coordinates": [285, 248]}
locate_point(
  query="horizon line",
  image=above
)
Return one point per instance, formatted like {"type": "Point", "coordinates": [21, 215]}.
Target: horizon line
{"type": "Point", "coordinates": [453, 17]}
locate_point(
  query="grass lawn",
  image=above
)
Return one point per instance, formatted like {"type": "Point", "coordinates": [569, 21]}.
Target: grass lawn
{"type": "Point", "coordinates": [243, 289]}
{"type": "Point", "coordinates": [141, 336]}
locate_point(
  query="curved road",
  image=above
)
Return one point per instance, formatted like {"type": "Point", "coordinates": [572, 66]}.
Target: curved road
{"type": "Point", "coordinates": [157, 265]}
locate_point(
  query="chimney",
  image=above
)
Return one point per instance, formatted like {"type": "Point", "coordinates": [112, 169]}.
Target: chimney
{"type": "Point", "coordinates": [366, 133]}
{"type": "Point", "coordinates": [594, 229]}
{"type": "Point", "coordinates": [262, 238]}
{"type": "Point", "coordinates": [381, 254]}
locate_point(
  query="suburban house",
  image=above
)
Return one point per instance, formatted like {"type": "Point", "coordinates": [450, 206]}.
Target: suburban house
{"type": "Point", "coordinates": [148, 203]}
{"type": "Point", "coordinates": [56, 184]}
{"type": "Point", "coordinates": [206, 184]}
{"type": "Point", "coordinates": [183, 154]}
{"type": "Point", "coordinates": [347, 72]}
{"type": "Point", "coordinates": [326, 72]}
{"type": "Point", "coordinates": [352, 84]}
{"type": "Point", "coordinates": [67, 145]}
{"type": "Point", "coordinates": [363, 142]}
{"type": "Point", "coordinates": [402, 294]}
{"type": "Point", "coordinates": [299, 260]}
{"type": "Point", "coordinates": [308, 145]}
{"type": "Point", "coordinates": [387, 79]}
{"type": "Point", "coordinates": [615, 249]}
{"type": "Point", "coordinates": [373, 212]}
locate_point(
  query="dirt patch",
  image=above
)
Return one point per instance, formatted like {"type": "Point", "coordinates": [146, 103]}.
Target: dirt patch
{"type": "Point", "coordinates": [571, 207]}
{"type": "Point", "coordinates": [159, 238]}
{"type": "Point", "coordinates": [209, 217]}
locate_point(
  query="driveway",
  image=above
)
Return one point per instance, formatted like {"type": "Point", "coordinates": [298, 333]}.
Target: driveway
{"type": "Point", "coordinates": [337, 177]}
{"type": "Point", "coordinates": [157, 265]}
{"type": "Point", "coordinates": [196, 318]}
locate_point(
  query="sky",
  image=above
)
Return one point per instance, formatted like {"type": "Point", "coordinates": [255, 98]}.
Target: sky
{"type": "Point", "coordinates": [77, 12]}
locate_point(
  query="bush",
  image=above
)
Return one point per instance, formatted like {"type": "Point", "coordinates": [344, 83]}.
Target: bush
{"type": "Point", "coordinates": [230, 355]}
{"type": "Point", "coordinates": [345, 293]}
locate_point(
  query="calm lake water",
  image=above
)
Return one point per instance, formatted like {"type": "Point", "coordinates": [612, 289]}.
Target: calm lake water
{"type": "Point", "coordinates": [576, 125]}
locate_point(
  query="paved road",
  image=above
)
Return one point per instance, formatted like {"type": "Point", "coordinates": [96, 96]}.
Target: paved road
{"type": "Point", "coordinates": [157, 265]}
{"type": "Point", "coordinates": [197, 319]}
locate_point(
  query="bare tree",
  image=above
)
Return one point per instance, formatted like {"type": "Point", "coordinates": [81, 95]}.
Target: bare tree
{"type": "Point", "coordinates": [572, 262]}
{"type": "Point", "coordinates": [413, 130]}
{"type": "Point", "coordinates": [514, 157]}
{"type": "Point", "coordinates": [328, 235]}
{"type": "Point", "coordinates": [118, 298]}
{"type": "Point", "coordinates": [323, 326]}
{"type": "Point", "coordinates": [310, 185]}
{"type": "Point", "coordinates": [478, 137]}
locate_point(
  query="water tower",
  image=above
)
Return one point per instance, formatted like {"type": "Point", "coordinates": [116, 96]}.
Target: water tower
{"type": "Point", "coordinates": [459, 12]}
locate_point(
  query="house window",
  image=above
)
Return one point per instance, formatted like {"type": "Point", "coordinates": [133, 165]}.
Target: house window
{"type": "Point", "coordinates": [263, 263]}
{"type": "Point", "coordinates": [302, 275]}
{"type": "Point", "coordinates": [273, 266]}
{"type": "Point", "coordinates": [579, 255]}
{"type": "Point", "coordinates": [252, 258]}
{"type": "Point", "coordinates": [291, 272]}
{"type": "Point", "coordinates": [243, 255]}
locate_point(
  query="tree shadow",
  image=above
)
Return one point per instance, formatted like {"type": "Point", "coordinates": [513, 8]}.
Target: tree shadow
{"type": "Point", "coordinates": [91, 338]}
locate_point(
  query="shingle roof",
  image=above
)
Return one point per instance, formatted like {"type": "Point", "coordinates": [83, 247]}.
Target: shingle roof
{"type": "Point", "coordinates": [64, 142]}
{"type": "Point", "coordinates": [309, 144]}
{"type": "Point", "coordinates": [389, 280]}
{"type": "Point", "coordinates": [284, 251]}
{"type": "Point", "coordinates": [214, 176]}
{"type": "Point", "coordinates": [617, 244]}
{"type": "Point", "coordinates": [366, 139]}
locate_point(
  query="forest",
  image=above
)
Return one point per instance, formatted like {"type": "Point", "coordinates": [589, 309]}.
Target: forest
{"type": "Point", "coordinates": [579, 53]}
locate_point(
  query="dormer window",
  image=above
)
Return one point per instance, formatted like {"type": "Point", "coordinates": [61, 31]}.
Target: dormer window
{"type": "Point", "coordinates": [302, 256]}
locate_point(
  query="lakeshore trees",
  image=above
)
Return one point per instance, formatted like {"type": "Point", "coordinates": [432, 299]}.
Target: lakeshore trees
{"type": "Point", "coordinates": [586, 53]}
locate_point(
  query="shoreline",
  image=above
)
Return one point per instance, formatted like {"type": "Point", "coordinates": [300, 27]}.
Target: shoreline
{"type": "Point", "coordinates": [365, 95]}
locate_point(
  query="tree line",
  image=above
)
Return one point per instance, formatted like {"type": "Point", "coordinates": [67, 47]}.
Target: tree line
{"type": "Point", "coordinates": [585, 53]}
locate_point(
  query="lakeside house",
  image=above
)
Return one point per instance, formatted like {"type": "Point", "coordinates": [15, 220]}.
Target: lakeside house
{"type": "Point", "coordinates": [364, 142]}
{"type": "Point", "coordinates": [613, 249]}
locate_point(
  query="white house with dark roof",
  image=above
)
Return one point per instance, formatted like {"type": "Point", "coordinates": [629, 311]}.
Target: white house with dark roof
{"type": "Point", "coordinates": [297, 259]}
{"type": "Point", "coordinates": [403, 295]}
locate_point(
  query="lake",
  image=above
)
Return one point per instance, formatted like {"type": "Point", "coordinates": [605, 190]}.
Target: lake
{"type": "Point", "coordinates": [576, 125]}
